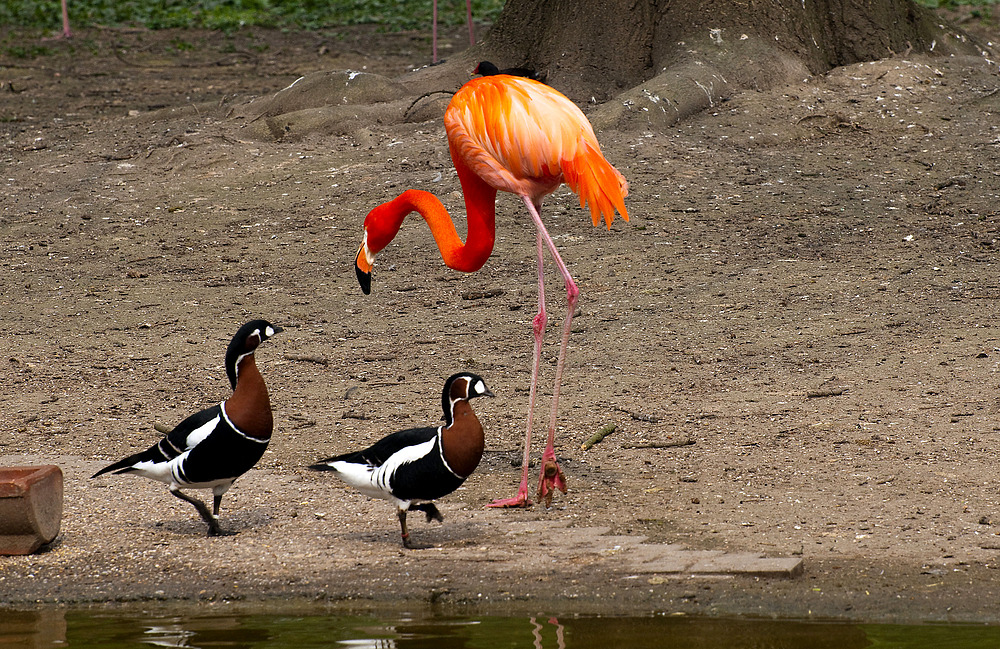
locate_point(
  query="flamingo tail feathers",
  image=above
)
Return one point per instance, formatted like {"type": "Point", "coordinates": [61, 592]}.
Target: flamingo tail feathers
{"type": "Point", "coordinates": [597, 183]}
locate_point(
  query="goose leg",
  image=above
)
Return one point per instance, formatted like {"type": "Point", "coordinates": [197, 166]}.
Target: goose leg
{"type": "Point", "coordinates": [401, 513]}
{"type": "Point", "coordinates": [212, 520]}
{"type": "Point", "coordinates": [429, 510]}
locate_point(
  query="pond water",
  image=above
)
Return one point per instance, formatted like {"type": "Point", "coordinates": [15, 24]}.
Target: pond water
{"type": "Point", "coordinates": [115, 628]}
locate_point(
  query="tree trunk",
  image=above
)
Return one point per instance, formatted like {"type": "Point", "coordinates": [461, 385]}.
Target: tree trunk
{"type": "Point", "coordinates": [607, 45]}
{"type": "Point", "coordinates": [663, 59]}
{"type": "Point", "coordinates": [648, 63]}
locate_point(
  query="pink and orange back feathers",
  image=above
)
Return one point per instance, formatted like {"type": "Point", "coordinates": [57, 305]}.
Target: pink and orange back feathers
{"type": "Point", "coordinates": [524, 137]}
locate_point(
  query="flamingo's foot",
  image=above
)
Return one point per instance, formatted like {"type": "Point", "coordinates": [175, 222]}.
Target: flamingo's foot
{"type": "Point", "coordinates": [551, 478]}
{"type": "Point", "coordinates": [520, 500]}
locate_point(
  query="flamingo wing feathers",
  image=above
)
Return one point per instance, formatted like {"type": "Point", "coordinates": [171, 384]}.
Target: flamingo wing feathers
{"type": "Point", "coordinates": [524, 137]}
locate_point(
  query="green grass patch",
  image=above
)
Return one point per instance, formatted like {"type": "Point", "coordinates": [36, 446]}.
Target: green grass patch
{"type": "Point", "coordinates": [26, 51]}
{"type": "Point", "coordinates": [980, 9]}
{"type": "Point", "coordinates": [956, 4]}
{"type": "Point", "coordinates": [392, 15]}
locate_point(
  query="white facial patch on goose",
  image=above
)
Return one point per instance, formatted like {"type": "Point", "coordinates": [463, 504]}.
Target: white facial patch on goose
{"type": "Point", "coordinates": [480, 387]}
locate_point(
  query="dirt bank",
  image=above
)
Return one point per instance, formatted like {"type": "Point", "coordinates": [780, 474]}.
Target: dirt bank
{"type": "Point", "coordinates": [795, 338]}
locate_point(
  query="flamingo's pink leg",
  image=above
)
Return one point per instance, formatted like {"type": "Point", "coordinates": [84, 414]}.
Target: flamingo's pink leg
{"type": "Point", "coordinates": [538, 327]}
{"type": "Point", "coordinates": [434, 31]}
{"type": "Point", "coordinates": [468, 17]}
{"type": "Point", "coordinates": [551, 476]}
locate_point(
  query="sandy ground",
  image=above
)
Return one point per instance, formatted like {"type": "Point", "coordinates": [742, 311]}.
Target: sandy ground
{"type": "Point", "coordinates": [795, 337]}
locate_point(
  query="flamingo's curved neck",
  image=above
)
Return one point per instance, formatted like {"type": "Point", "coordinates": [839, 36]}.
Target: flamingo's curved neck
{"type": "Point", "coordinates": [383, 222]}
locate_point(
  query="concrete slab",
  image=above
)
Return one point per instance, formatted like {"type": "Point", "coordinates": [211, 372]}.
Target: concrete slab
{"type": "Point", "coordinates": [661, 558]}
{"type": "Point", "coordinates": [742, 563]}
{"type": "Point", "coordinates": [658, 558]}
{"type": "Point", "coordinates": [559, 542]}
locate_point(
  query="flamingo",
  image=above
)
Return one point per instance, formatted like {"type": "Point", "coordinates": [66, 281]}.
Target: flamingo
{"type": "Point", "coordinates": [65, 15]}
{"type": "Point", "coordinates": [434, 27]}
{"type": "Point", "coordinates": [508, 133]}
{"type": "Point", "coordinates": [66, 33]}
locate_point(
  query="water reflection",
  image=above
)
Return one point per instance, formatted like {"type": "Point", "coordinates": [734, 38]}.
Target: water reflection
{"type": "Point", "coordinates": [33, 629]}
{"type": "Point", "coordinates": [82, 629]}
{"type": "Point", "coordinates": [226, 631]}
{"type": "Point", "coordinates": [169, 635]}
{"type": "Point", "coordinates": [536, 633]}
{"type": "Point", "coordinates": [125, 629]}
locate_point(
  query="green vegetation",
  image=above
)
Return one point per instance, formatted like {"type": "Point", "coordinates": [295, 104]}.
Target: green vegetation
{"type": "Point", "coordinates": [392, 15]}
{"type": "Point", "coordinates": [955, 4]}
{"type": "Point", "coordinates": [26, 52]}
{"type": "Point", "coordinates": [982, 9]}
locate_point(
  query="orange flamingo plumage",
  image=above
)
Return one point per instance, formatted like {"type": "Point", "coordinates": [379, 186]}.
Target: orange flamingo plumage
{"type": "Point", "coordinates": [516, 135]}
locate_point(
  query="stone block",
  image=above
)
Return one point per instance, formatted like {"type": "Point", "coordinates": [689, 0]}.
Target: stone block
{"type": "Point", "coordinates": [31, 500]}
{"type": "Point", "coordinates": [745, 563]}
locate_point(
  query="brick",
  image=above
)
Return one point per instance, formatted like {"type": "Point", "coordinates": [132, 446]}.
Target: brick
{"type": "Point", "coordinates": [31, 499]}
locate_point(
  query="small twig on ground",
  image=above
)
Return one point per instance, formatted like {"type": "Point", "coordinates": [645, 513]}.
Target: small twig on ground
{"type": "Point", "coordinates": [319, 360]}
{"type": "Point", "coordinates": [302, 422]}
{"type": "Point", "coordinates": [650, 419]}
{"type": "Point", "coordinates": [598, 436]}
{"type": "Point", "coordinates": [834, 392]}
{"type": "Point", "coordinates": [478, 295]}
{"type": "Point", "coordinates": [681, 441]}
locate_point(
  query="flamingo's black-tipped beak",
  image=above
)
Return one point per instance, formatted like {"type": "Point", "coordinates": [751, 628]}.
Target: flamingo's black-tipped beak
{"type": "Point", "coordinates": [364, 279]}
